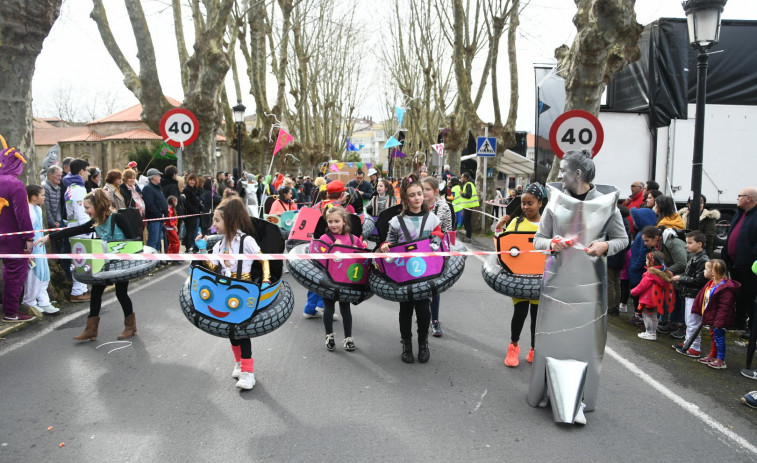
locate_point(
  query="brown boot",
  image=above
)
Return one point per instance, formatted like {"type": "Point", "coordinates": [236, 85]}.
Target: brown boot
{"type": "Point", "coordinates": [90, 331]}
{"type": "Point", "coordinates": [130, 327]}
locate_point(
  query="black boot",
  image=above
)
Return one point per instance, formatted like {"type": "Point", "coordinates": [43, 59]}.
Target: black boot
{"type": "Point", "coordinates": [407, 351]}
{"type": "Point", "coordinates": [423, 352]}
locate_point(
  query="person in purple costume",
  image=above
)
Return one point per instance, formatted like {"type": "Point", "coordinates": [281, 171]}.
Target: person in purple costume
{"type": "Point", "coordinates": [14, 217]}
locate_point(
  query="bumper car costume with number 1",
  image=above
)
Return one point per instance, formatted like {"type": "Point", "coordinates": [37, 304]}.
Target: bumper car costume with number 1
{"type": "Point", "coordinates": [240, 305]}
{"type": "Point", "coordinates": [344, 280]}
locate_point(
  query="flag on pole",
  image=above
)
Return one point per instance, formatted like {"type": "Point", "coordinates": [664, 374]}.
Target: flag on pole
{"type": "Point", "coordinates": [351, 147]}
{"type": "Point", "coordinates": [165, 152]}
{"type": "Point", "coordinates": [400, 114]}
{"type": "Point", "coordinates": [396, 153]}
{"type": "Point", "coordinates": [391, 143]}
{"type": "Point", "coordinates": [439, 148]}
{"type": "Point", "coordinates": [282, 140]}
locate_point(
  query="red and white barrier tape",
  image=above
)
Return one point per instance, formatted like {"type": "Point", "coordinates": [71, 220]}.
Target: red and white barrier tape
{"type": "Point", "coordinates": [191, 257]}
{"type": "Point", "coordinates": [63, 228]}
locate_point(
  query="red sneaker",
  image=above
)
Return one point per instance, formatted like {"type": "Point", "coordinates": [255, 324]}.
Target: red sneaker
{"type": "Point", "coordinates": [717, 364]}
{"type": "Point", "coordinates": [511, 360]}
{"type": "Point", "coordinates": [530, 356]}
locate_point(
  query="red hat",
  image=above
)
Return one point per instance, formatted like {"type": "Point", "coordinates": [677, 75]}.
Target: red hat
{"type": "Point", "coordinates": [131, 165]}
{"type": "Point", "coordinates": [335, 186]}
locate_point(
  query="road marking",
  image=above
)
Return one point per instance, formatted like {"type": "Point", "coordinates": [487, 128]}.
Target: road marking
{"type": "Point", "coordinates": [63, 320]}
{"type": "Point", "coordinates": [481, 400]}
{"type": "Point", "coordinates": [688, 406]}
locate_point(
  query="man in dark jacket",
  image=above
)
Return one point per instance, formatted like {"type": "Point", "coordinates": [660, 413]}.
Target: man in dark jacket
{"type": "Point", "coordinates": [690, 282]}
{"type": "Point", "coordinates": [740, 252]}
{"type": "Point", "coordinates": [364, 188]}
{"type": "Point", "coordinates": [156, 206]}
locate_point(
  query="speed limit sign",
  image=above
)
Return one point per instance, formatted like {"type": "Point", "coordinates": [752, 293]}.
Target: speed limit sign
{"type": "Point", "coordinates": [179, 127]}
{"type": "Point", "coordinates": [575, 130]}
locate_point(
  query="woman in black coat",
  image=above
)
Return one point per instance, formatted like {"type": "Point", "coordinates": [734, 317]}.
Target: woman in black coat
{"type": "Point", "coordinates": [209, 202]}
{"type": "Point", "coordinates": [192, 205]}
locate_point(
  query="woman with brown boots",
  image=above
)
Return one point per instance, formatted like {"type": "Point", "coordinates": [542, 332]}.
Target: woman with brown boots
{"type": "Point", "coordinates": [109, 226]}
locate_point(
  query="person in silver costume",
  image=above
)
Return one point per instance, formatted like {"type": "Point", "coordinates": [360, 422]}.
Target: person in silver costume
{"type": "Point", "coordinates": [581, 226]}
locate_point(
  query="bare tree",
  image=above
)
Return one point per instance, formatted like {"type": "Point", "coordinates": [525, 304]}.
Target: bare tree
{"type": "Point", "coordinates": [606, 41]}
{"type": "Point", "coordinates": [203, 71]}
{"type": "Point", "coordinates": [24, 26]}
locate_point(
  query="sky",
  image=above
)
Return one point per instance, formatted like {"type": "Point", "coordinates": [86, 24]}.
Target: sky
{"type": "Point", "coordinates": [74, 60]}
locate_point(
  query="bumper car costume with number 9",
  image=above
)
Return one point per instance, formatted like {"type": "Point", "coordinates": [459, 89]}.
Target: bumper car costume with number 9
{"type": "Point", "coordinates": [108, 272]}
{"type": "Point", "coordinates": [344, 280]}
{"type": "Point", "coordinates": [232, 307]}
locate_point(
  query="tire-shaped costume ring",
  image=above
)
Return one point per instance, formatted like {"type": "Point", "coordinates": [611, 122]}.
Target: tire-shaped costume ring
{"type": "Point", "coordinates": [510, 284]}
{"type": "Point", "coordinates": [262, 322]}
{"type": "Point", "coordinates": [387, 289]}
{"type": "Point", "coordinates": [314, 277]}
{"type": "Point", "coordinates": [117, 271]}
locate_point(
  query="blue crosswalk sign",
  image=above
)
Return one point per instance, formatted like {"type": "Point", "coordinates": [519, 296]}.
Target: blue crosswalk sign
{"type": "Point", "coordinates": [486, 146]}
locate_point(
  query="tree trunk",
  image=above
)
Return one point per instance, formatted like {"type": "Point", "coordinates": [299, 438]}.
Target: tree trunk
{"type": "Point", "coordinates": [607, 40]}
{"type": "Point", "coordinates": [23, 27]}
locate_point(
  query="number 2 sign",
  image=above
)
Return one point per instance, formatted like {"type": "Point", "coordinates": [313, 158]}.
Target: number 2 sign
{"type": "Point", "coordinates": [575, 130]}
{"type": "Point", "coordinates": [179, 127]}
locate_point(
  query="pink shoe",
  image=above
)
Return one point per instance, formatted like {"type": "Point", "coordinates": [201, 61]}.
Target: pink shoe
{"type": "Point", "coordinates": [530, 356]}
{"type": "Point", "coordinates": [511, 360]}
{"type": "Point", "coordinates": [717, 364]}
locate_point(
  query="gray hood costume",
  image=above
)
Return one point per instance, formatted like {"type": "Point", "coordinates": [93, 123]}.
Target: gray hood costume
{"type": "Point", "coordinates": [571, 326]}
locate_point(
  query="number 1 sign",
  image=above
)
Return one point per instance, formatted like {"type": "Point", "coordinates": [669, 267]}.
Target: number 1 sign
{"type": "Point", "coordinates": [179, 127]}
{"type": "Point", "coordinates": [575, 130]}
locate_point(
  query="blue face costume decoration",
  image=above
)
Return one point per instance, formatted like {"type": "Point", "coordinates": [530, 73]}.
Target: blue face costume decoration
{"type": "Point", "coordinates": [229, 300]}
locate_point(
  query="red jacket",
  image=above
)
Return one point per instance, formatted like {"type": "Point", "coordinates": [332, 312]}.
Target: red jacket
{"type": "Point", "coordinates": [633, 202]}
{"type": "Point", "coordinates": [655, 290]}
{"type": "Point", "coordinates": [721, 307]}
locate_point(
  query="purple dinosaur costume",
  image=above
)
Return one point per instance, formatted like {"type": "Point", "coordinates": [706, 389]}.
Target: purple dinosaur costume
{"type": "Point", "coordinates": [14, 217]}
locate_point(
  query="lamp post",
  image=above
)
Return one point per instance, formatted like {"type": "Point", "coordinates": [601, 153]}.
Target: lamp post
{"type": "Point", "coordinates": [215, 165]}
{"type": "Point", "coordinates": [703, 18]}
{"type": "Point", "coordinates": [239, 119]}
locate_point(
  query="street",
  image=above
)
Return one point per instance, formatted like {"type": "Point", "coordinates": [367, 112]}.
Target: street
{"type": "Point", "coordinates": [169, 396]}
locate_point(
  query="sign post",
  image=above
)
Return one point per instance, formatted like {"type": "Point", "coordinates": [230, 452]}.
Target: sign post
{"type": "Point", "coordinates": [574, 130]}
{"type": "Point", "coordinates": [487, 148]}
{"type": "Point", "coordinates": [179, 127]}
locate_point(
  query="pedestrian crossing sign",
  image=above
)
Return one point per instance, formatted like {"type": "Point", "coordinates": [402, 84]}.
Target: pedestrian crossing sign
{"type": "Point", "coordinates": [486, 146]}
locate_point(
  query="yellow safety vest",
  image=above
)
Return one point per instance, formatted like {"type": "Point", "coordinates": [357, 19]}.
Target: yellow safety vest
{"type": "Point", "coordinates": [456, 198]}
{"type": "Point", "coordinates": [473, 200]}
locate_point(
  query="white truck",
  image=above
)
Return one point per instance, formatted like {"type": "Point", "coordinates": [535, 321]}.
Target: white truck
{"type": "Point", "coordinates": [648, 118]}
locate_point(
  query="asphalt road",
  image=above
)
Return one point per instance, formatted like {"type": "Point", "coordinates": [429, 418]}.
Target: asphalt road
{"type": "Point", "coordinates": [169, 396]}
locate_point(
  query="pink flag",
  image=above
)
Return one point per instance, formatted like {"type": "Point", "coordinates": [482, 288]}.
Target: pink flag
{"type": "Point", "coordinates": [282, 140]}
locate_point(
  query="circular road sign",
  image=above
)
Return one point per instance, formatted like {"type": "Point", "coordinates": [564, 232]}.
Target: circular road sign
{"type": "Point", "coordinates": [179, 127]}
{"type": "Point", "coordinates": [575, 130]}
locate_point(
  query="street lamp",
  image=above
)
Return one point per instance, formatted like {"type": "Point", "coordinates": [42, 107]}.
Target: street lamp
{"type": "Point", "coordinates": [703, 18]}
{"type": "Point", "coordinates": [215, 164]}
{"type": "Point", "coordinates": [239, 119]}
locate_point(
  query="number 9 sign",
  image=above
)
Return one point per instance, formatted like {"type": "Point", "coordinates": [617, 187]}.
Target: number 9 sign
{"type": "Point", "coordinates": [179, 127]}
{"type": "Point", "coordinates": [575, 130]}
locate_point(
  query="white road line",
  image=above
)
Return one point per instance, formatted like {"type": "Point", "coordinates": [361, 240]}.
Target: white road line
{"type": "Point", "coordinates": [480, 401]}
{"type": "Point", "coordinates": [688, 406]}
{"type": "Point", "coordinates": [63, 320]}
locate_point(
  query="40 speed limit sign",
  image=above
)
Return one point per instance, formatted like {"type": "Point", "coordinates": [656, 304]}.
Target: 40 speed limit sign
{"type": "Point", "coordinates": [179, 127]}
{"type": "Point", "coordinates": [575, 130]}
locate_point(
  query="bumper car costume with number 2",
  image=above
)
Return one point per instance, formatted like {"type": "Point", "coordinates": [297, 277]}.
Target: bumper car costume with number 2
{"type": "Point", "coordinates": [240, 305]}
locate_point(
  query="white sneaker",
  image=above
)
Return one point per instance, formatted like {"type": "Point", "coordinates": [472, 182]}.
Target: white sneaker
{"type": "Point", "coordinates": [48, 309]}
{"type": "Point", "coordinates": [246, 380]}
{"type": "Point", "coordinates": [312, 315]}
{"type": "Point", "coordinates": [237, 370]}
{"type": "Point", "coordinates": [623, 308]}
{"type": "Point", "coordinates": [580, 417]}
{"type": "Point", "coordinates": [647, 336]}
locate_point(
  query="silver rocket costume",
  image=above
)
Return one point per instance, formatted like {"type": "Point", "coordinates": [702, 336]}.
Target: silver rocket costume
{"type": "Point", "coordinates": [571, 327]}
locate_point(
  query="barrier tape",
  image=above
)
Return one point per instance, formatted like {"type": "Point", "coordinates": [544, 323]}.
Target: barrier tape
{"type": "Point", "coordinates": [64, 228]}
{"type": "Point", "coordinates": [315, 256]}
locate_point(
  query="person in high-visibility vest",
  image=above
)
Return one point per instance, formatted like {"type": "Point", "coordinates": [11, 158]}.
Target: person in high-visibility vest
{"type": "Point", "coordinates": [455, 199]}
{"type": "Point", "coordinates": [469, 200]}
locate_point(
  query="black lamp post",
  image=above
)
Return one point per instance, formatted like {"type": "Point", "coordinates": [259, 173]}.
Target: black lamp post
{"type": "Point", "coordinates": [703, 18]}
{"type": "Point", "coordinates": [239, 119]}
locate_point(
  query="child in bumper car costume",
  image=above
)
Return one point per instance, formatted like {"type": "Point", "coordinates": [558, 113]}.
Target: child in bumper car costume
{"type": "Point", "coordinates": [232, 221]}
{"type": "Point", "coordinates": [415, 221]}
